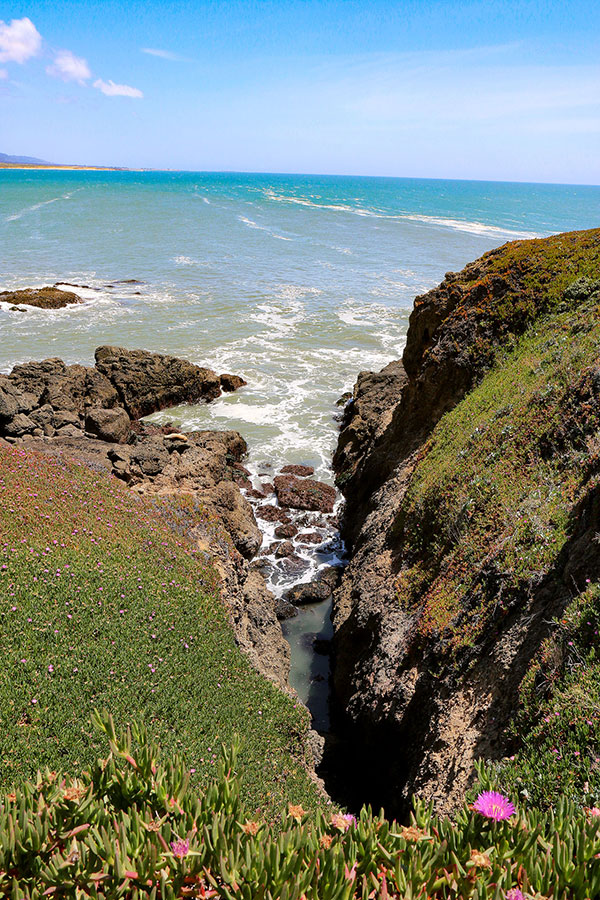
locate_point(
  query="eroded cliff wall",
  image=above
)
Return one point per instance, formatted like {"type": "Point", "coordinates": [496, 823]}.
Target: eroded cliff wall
{"type": "Point", "coordinates": [470, 473]}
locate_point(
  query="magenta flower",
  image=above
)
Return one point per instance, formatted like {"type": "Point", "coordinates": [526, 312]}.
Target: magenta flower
{"type": "Point", "coordinates": [493, 805]}
{"type": "Point", "coordinates": [515, 894]}
{"type": "Point", "coordinates": [180, 848]}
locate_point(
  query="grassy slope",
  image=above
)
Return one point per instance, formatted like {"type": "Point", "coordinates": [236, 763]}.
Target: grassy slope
{"type": "Point", "coordinates": [492, 503]}
{"type": "Point", "coordinates": [101, 605]}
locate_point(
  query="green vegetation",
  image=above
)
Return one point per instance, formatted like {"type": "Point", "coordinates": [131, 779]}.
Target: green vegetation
{"type": "Point", "coordinates": [102, 603]}
{"type": "Point", "coordinates": [557, 727]}
{"type": "Point", "coordinates": [490, 505]}
{"type": "Point", "coordinates": [131, 828]}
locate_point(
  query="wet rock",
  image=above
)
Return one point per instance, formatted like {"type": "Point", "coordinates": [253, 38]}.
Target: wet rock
{"type": "Point", "coordinates": [304, 493]}
{"type": "Point", "coordinates": [321, 588]}
{"type": "Point", "coordinates": [112, 425]}
{"type": "Point", "coordinates": [284, 610]}
{"type": "Point", "coordinates": [341, 401]}
{"type": "Point", "coordinates": [312, 592]}
{"type": "Point", "coordinates": [148, 382]}
{"type": "Point", "coordinates": [286, 531]}
{"type": "Point", "coordinates": [293, 565]}
{"type": "Point", "coordinates": [231, 383]}
{"type": "Point", "coordinates": [285, 548]}
{"type": "Point", "coordinates": [42, 298]}
{"type": "Point", "coordinates": [300, 471]}
{"type": "Point", "coordinates": [272, 514]}
{"type": "Point", "coordinates": [311, 537]}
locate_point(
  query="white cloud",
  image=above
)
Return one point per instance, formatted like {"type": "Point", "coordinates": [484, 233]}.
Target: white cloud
{"type": "Point", "coordinates": [69, 67]}
{"type": "Point", "coordinates": [163, 54]}
{"type": "Point", "coordinates": [19, 41]}
{"type": "Point", "coordinates": [116, 90]}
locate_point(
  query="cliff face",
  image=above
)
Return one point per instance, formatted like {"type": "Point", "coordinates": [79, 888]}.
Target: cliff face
{"type": "Point", "coordinates": [471, 479]}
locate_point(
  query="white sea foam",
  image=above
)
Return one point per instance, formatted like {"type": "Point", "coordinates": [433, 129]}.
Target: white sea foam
{"type": "Point", "coordinates": [464, 225]}
{"type": "Point", "coordinates": [250, 223]}
{"type": "Point", "coordinates": [36, 206]}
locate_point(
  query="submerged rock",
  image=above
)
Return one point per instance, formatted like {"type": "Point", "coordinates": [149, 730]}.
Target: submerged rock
{"type": "Point", "coordinates": [300, 471]}
{"type": "Point", "coordinates": [42, 298]}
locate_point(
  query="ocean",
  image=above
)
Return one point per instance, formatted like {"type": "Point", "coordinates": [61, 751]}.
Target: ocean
{"type": "Point", "coordinates": [295, 282]}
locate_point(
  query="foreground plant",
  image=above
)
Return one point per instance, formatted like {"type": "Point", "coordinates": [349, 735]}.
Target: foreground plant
{"type": "Point", "coordinates": [131, 827]}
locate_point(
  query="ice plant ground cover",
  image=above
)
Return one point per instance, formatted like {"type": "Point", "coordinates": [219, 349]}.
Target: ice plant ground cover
{"type": "Point", "coordinates": [133, 827]}
{"type": "Point", "coordinates": [103, 604]}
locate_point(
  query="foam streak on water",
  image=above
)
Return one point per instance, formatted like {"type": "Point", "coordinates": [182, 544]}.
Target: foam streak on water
{"type": "Point", "coordinates": [295, 282]}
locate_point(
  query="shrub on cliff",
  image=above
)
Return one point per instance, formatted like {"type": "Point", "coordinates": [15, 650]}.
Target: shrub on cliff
{"type": "Point", "coordinates": [131, 827]}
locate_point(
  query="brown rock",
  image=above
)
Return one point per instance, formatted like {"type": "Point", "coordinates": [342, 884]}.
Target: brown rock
{"type": "Point", "coordinates": [285, 548]}
{"type": "Point", "coordinates": [236, 514]}
{"type": "Point", "coordinates": [111, 425]}
{"type": "Point", "coordinates": [147, 382]}
{"type": "Point", "coordinates": [43, 298]}
{"type": "Point", "coordinates": [231, 383]}
{"type": "Point", "coordinates": [300, 471]}
{"type": "Point", "coordinates": [311, 537]}
{"type": "Point", "coordinates": [273, 514]}
{"type": "Point", "coordinates": [304, 493]}
{"type": "Point", "coordinates": [286, 531]}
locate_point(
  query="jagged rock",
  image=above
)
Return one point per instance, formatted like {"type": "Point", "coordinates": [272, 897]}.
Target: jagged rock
{"type": "Point", "coordinates": [231, 383]}
{"type": "Point", "coordinates": [304, 493]}
{"type": "Point", "coordinates": [273, 514]}
{"type": "Point", "coordinates": [65, 417]}
{"type": "Point", "coordinates": [19, 425]}
{"type": "Point", "coordinates": [315, 591]}
{"type": "Point", "coordinates": [285, 548]}
{"type": "Point", "coordinates": [311, 537]}
{"type": "Point", "coordinates": [43, 298]}
{"type": "Point", "coordinates": [284, 610]}
{"type": "Point", "coordinates": [300, 471]}
{"type": "Point", "coordinates": [111, 425]}
{"type": "Point", "coordinates": [148, 382]}
{"type": "Point", "coordinates": [236, 514]}
{"type": "Point", "coordinates": [69, 430]}
{"type": "Point", "coordinates": [149, 456]}
{"type": "Point", "coordinates": [286, 531]}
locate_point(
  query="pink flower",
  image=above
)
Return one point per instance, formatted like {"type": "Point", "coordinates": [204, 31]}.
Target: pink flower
{"type": "Point", "coordinates": [180, 848]}
{"type": "Point", "coordinates": [515, 894]}
{"type": "Point", "coordinates": [494, 806]}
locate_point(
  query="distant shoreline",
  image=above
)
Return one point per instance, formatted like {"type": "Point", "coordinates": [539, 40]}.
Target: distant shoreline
{"type": "Point", "coordinates": [68, 168]}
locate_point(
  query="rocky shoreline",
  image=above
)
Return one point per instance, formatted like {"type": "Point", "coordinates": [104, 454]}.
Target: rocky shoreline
{"type": "Point", "coordinates": [94, 416]}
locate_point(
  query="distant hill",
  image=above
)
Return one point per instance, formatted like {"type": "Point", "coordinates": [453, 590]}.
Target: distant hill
{"type": "Point", "coordinates": [23, 160]}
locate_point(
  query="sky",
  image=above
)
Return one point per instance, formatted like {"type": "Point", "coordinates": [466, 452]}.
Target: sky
{"type": "Point", "coordinates": [487, 89]}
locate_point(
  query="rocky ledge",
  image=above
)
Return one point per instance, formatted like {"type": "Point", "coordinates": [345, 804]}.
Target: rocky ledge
{"type": "Point", "coordinates": [470, 472]}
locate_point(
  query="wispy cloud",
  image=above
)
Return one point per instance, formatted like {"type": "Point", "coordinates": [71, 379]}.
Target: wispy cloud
{"type": "Point", "coordinates": [117, 90]}
{"type": "Point", "coordinates": [164, 54]}
{"type": "Point", "coordinates": [69, 67]}
{"type": "Point", "coordinates": [3, 74]}
{"type": "Point", "coordinates": [19, 41]}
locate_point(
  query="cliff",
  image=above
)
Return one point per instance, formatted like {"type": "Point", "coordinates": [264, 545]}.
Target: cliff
{"type": "Point", "coordinates": [470, 473]}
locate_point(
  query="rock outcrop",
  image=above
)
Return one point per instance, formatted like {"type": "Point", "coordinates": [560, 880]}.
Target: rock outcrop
{"type": "Point", "coordinates": [42, 298]}
{"type": "Point", "coordinates": [148, 382]}
{"type": "Point", "coordinates": [471, 509]}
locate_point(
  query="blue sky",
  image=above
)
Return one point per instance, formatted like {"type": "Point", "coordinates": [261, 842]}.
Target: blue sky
{"type": "Point", "coordinates": [489, 90]}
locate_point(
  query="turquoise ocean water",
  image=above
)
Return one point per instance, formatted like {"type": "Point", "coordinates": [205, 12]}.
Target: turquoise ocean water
{"type": "Point", "coordinates": [295, 282]}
